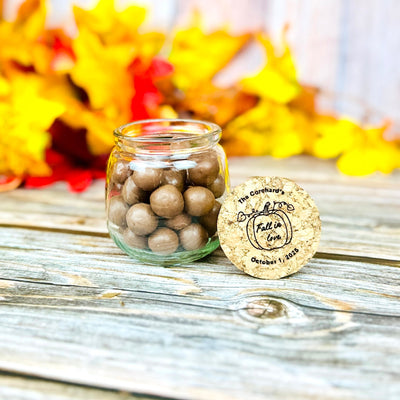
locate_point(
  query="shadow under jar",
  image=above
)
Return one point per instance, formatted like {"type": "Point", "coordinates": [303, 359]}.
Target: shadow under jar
{"type": "Point", "coordinates": [166, 181]}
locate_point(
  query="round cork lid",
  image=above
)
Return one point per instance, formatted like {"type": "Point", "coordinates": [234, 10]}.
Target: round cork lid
{"type": "Point", "coordinates": [269, 227]}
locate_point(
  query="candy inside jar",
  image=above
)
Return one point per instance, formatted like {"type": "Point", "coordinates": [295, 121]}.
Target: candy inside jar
{"type": "Point", "coordinates": [166, 182]}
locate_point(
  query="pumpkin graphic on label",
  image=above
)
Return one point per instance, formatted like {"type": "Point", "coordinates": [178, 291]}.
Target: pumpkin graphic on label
{"type": "Point", "coordinates": [270, 228]}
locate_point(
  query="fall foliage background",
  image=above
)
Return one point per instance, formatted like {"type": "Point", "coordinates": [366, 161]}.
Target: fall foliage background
{"type": "Point", "coordinates": [63, 90]}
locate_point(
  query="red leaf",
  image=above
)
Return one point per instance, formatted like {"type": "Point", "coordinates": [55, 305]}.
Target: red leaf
{"type": "Point", "coordinates": [79, 180]}
{"type": "Point", "coordinates": [147, 97]}
{"type": "Point", "coordinates": [39, 181]}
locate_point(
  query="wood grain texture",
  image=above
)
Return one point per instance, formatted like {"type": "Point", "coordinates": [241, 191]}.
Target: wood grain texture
{"type": "Point", "coordinates": [361, 217]}
{"type": "Point", "coordinates": [78, 260]}
{"type": "Point", "coordinates": [201, 332]}
{"type": "Point", "coordinates": [75, 310]}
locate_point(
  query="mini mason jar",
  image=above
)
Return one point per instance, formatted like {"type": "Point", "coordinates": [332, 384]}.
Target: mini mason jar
{"type": "Point", "coordinates": [166, 181]}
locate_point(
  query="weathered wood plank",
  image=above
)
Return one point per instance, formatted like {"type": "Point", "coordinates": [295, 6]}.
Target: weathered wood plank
{"type": "Point", "coordinates": [360, 216]}
{"type": "Point", "coordinates": [13, 387]}
{"type": "Point", "coordinates": [73, 307]}
{"type": "Point", "coordinates": [262, 347]}
{"type": "Point", "coordinates": [55, 208]}
{"type": "Point", "coordinates": [80, 260]}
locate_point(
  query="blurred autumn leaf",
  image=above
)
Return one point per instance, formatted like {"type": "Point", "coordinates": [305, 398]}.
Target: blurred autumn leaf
{"type": "Point", "coordinates": [62, 96]}
{"type": "Point", "coordinates": [197, 56]}
{"type": "Point", "coordinates": [277, 79]}
{"type": "Point", "coordinates": [25, 117]}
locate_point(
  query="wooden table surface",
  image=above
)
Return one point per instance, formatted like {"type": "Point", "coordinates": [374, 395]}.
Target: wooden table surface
{"type": "Point", "coordinates": [80, 320]}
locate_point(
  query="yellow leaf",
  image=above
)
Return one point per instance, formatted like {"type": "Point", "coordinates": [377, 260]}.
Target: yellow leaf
{"type": "Point", "coordinates": [119, 27]}
{"type": "Point", "coordinates": [334, 136]}
{"type": "Point", "coordinates": [109, 24]}
{"type": "Point", "coordinates": [357, 162]}
{"type": "Point", "coordinates": [373, 153]}
{"type": "Point", "coordinates": [33, 107]}
{"type": "Point", "coordinates": [98, 123]}
{"type": "Point", "coordinates": [19, 38]}
{"type": "Point", "coordinates": [25, 116]}
{"type": "Point", "coordinates": [270, 84]}
{"type": "Point", "coordinates": [268, 128]}
{"type": "Point", "coordinates": [4, 87]}
{"type": "Point", "coordinates": [100, 129]}
{"type": "Point", "coordinates": [197, 56]}
{"type": "Point", "coordinates": [78, 115]}
{"type": "Point", "coordinates": [277, 79]}
{"type": "Point", "coordinates": [102, 71]}
{"type": "Point", "coordinates": [107, 44]}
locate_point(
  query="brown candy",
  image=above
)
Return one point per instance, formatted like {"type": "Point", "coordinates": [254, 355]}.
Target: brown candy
{"type": "Point", "coordinates": [121, 171]}
{"type": "Point", "coordinates": [148, 179]}
{"type": "Point", "coordinates": [141, 219]}
{"type": "Point", "coordinates": [179, 222]}
{"type": "Point", "coordinates": [174, 177]}
{"type": "Point", "coordinates": [167, 201]}
{"type": "Point", "coordinates": [193, 237]}
{"type": "Point", "coordinates": [133, 240]}
{"type": "Point", "coordinates": [218, 186]}
{"type": "Point", "coordinates": [131, 193]}
{"type": "Point", "coordinates": [198, 201]}
{"type": "Point", "coordinates": [117, 210]}
{"type": "Point", "coordinates": [163, 241]}
{"type": "Point", "coordinates": [209, 221]}
{"type": "Point", "coordinates": [206, 170]}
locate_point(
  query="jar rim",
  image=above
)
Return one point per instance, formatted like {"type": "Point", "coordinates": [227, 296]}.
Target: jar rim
{"type": "Point", "coordinates": [210, 130]}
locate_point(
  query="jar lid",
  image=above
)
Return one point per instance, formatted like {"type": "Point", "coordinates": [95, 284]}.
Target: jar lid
{"type": "Point", "coordinates": [269, 227]}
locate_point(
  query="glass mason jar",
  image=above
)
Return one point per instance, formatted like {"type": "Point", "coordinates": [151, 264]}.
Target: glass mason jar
{"type": "Point", "coordinates": [166, 181]}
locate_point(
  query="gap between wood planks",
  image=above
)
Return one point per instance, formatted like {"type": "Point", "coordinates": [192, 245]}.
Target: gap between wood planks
{"type": "Point", "coordinates": [30, 382]}
{"type": "Point", "coordinates": [321, 255]}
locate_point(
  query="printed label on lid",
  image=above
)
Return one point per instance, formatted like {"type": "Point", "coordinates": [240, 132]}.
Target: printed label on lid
{"type": "Point", "coordinates": [269, 227]}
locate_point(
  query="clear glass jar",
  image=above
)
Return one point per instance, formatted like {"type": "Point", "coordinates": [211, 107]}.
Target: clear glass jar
{"type": "Point", "coordinates": [166, 181]}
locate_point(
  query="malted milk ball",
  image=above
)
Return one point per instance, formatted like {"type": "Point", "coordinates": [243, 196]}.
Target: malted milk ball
{"type": "Point", "coordinates": [167, 201]}
{"type": "Point", "coordinates": [133, 240]}
{"type": "Point", "coordinates": [148, 179]}
{"type": "Point", "coordinates": [206, 170]}
{"type": "Point", "coordinates": [209, 221]}
{"type": "Point", "coordinates": [218, 186]}
{"type": "Point", "coordinates": [131, 193]}
{"type": "Point", "coordinates": [141, 219]}
{"type": "Point", "coordinates": [193, 237]}
{"type": "Point", "coordinates": [163, 241]}
{"type": "Point", "coordinates": [179, 222]}
{"type": "Point", "coordinates": [120, 171]}
{"type": "Point", "coordinates": [198, 201]}
{"type": "Point", "coordinates": [174, 177]}
{"type": "Point", "coordinates": [117, 210]}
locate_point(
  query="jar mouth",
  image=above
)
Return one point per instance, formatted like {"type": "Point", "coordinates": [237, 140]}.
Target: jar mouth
{"type": "Point", "coordinates": [160, 135]}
